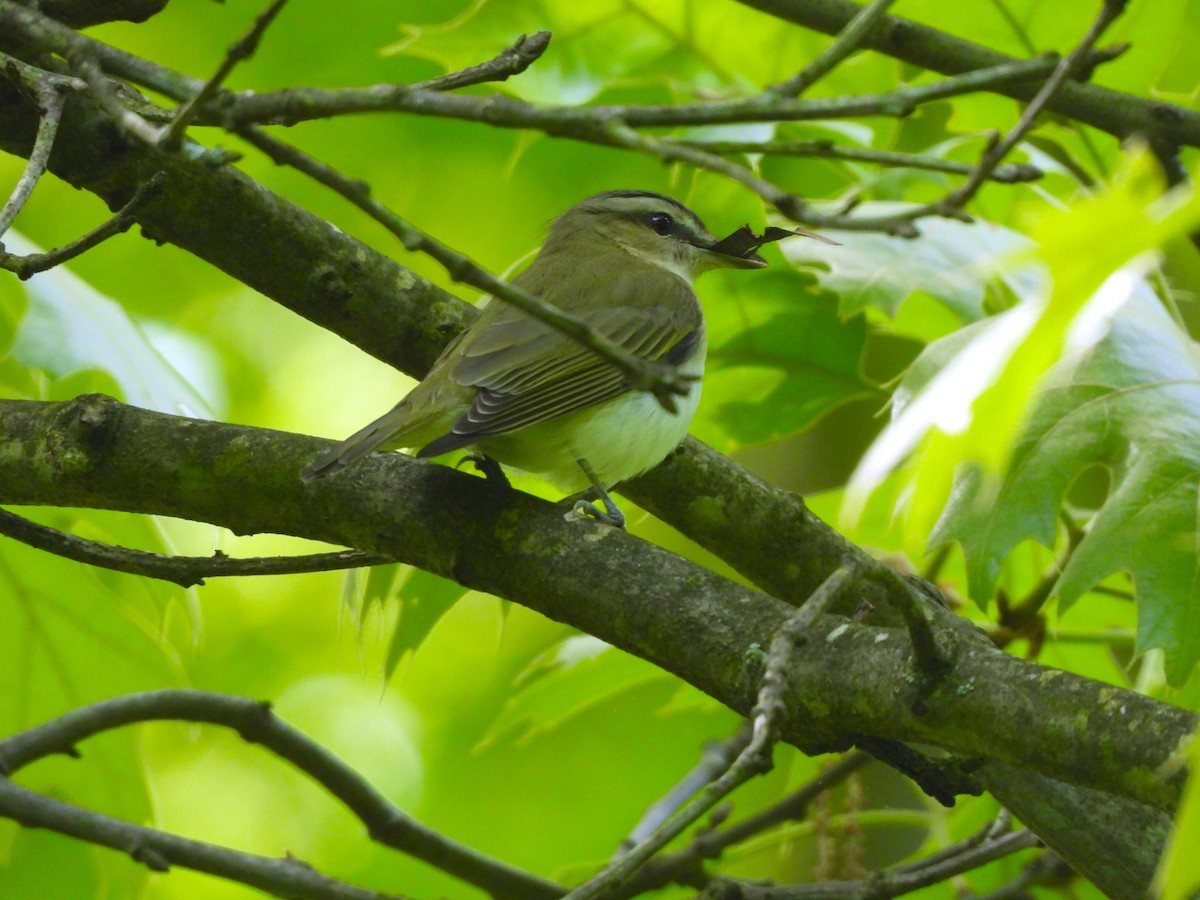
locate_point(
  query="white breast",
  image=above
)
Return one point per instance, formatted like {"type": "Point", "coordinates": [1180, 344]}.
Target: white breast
{"type": "Point", "coordinates": [633, 433]}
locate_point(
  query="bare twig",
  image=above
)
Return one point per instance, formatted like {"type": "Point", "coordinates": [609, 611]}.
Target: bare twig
{"type": "Point", "coordinates": [900, 880]}
{"type": "Point", "coordinates": [27, 266]}
{"type": "Point", "coordinates": [680, 866]}
{"type": "Point", "coordinates": [105, 92]}
{"type": "Point", "coordinates": [301, 104]}
{"type": "Point", "coordinates": [715, 758]}
{"type": "Point", "coordinates": [184, 571]}
{"type": "Point", "coordinates": [386, 823]}
{"type": "Point", "coordinates": [49, 91]}
{"type": "Point", "coordinates": [661, 380]}
{"type": "Point", "coordinates": [1073, 62]}
{"type": "Point", "coordinates": [843, 45]}
{"type": "Point", "coordinates": [513, 60]}
{"type": "Point", "coordinates": [1006, 174]}
{"type": "Point", "coordinates": [617, 125]}
{"type": "Point", "coordinates": [159, 850]}
{"type": "Point", "coordinates": [237, 52]}
{"type": "Point", "coordinates": [755, 758]}
{"type": "Point", "coordinates": [953, 203]}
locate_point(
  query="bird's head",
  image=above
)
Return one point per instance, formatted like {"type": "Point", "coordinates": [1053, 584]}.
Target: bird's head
{"type": "Point", "coordinates": [652, 227]}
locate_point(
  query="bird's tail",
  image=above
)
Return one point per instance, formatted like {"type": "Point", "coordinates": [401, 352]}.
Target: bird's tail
{"type": "Point", "coordinates": [387, 429]}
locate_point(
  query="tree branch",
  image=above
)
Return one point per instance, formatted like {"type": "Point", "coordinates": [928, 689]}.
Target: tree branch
{"type": "Point", "coordinates": [254, 721]}
{"type": "Point", "coordinates": [1012, 173]}
{"type": "Point", "coordinates": [901, 879]}
{"type": "Point", "coordinates": [184, 571]}
{"type": "Point", "coordinates": [158, 850]}
{"type": "Point", "coordinates": [90, 452]}
{"type": "Point", "coordinates": [1118, 113]}
{"type": "Point", "coordinates": [843, 45]}
{"type": "Point", "coordinates": [27, 266]}
{"type": "Point", "coordinates": [238, 51]}
{"type": "Point", "coordinates": [49, 92]}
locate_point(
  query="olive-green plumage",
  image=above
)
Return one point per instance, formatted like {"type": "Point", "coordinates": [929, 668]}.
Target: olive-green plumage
{"type": "Point", "coordinates": [527, 395]}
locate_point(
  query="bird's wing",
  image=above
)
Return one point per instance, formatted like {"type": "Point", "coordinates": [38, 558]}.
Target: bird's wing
{"type": "Point", "coordinates": [526, 372]}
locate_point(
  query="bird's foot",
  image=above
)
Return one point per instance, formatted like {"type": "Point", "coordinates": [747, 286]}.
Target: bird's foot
{"type": "Point", "coordinates": [488, 467]}
{"type": "Point", "coordinates": [610, 515]}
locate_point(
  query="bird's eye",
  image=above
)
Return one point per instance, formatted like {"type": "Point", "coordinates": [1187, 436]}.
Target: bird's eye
{"type": "Point", "coordinates": [661, 223]}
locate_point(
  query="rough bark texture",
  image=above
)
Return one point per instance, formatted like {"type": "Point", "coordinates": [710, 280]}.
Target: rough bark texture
{"type": "Point", "coordinates": [853, 679]}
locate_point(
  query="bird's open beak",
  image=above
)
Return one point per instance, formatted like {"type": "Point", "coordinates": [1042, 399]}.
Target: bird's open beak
{"type": "Point", "coordinates": [721, 259]}
{"type": "Point", "coordinates": [740, 249]}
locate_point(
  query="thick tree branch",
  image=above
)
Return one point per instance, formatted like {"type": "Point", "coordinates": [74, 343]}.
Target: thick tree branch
{"type": "Point", "coordinates": [1118, 113]}
{"type": "Point", "coordinates": [681, 617]}
{"type": "Point", "coordinates": [82, 13]}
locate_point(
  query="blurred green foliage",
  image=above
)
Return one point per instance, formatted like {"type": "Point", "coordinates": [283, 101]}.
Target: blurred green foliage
{"type": "Point", "coordinates": [505, 730]}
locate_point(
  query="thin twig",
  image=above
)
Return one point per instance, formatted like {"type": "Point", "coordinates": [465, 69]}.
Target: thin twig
{"type": "Point", "coordinates": [754, 760]}
{"type": "Point", "coordinates": [49, 92]}
{"type": "Point", "coordinates": [512, 60]}
{"type": "Point", "coordinates": [104, 92]}
{"type": "Point", "coordinates": [184, 571]}
{"type": "Point", "coordinates": [615, 125]}
{"type": "Point", "coordinates": [293, 105]}
{"type": "Point", "coordinates": [159, 850]}
{"type": "Point", "coordinates": [897, 881]}
{"type": "Point", "coordinates": [661, 380]}
{"type": "Point", "coordinates": [843, 45]}
{"type": "Point", "coordinates": [679, 867]}
{"type": "Point", "coordinates": [1011, 173]}
{"type": "Point", "coordinates": [715, 758]}
{"type": "Point", "coordinates": [1075, 60]}
{"type": "Point", "coordinates": [1112, 111]}
{"type": "Point", "coordinates": [237, 52]}
{"type": "Point", "coordinates": [386, 823]}
{"type": "Point", "coordinates": [27, 266]}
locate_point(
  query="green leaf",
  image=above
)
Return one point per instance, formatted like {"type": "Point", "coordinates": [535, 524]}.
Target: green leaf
{"type": "Point", "coordinates": [567, 680]}
{"type": "Point", "coordinates": [71, 635]}
{"type": "Point", "coordinates": [948, 262]}
{"type": "Point", "coordinates": [790, 360]}
{"type": "Point", "coordinates": [972, 409]}
{"type": "Point", "coordinates": [71, 327]}
{"type": "Point", "coordinates": [1132, 405]}
{"type": "Point", "coordinates": [424, 598]}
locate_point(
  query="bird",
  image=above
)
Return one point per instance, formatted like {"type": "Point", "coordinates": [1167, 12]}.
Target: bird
{"type": "Point", "coordinates": [517, 391]}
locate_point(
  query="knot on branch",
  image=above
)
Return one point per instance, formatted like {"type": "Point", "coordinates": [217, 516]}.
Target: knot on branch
{"type": "Point", "coordinates": [149, 857]}
{"type": "Point", "coordinates": [85, 430]}
{"type": "Point", "coordinates": [254, 720]}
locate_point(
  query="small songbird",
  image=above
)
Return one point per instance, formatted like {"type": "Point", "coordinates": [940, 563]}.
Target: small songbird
{"type": "Point", "coordinates": [524, 394]}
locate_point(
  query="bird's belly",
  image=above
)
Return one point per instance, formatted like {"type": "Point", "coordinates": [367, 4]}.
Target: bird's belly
{"type": "Point", "coordinates": [620, 438]}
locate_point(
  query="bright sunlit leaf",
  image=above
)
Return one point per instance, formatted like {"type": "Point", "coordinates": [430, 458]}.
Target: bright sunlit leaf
{"type": "Point", "coordinates": [1080, 249]}
{"type": "Point", "coordinates": [950, 261]}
